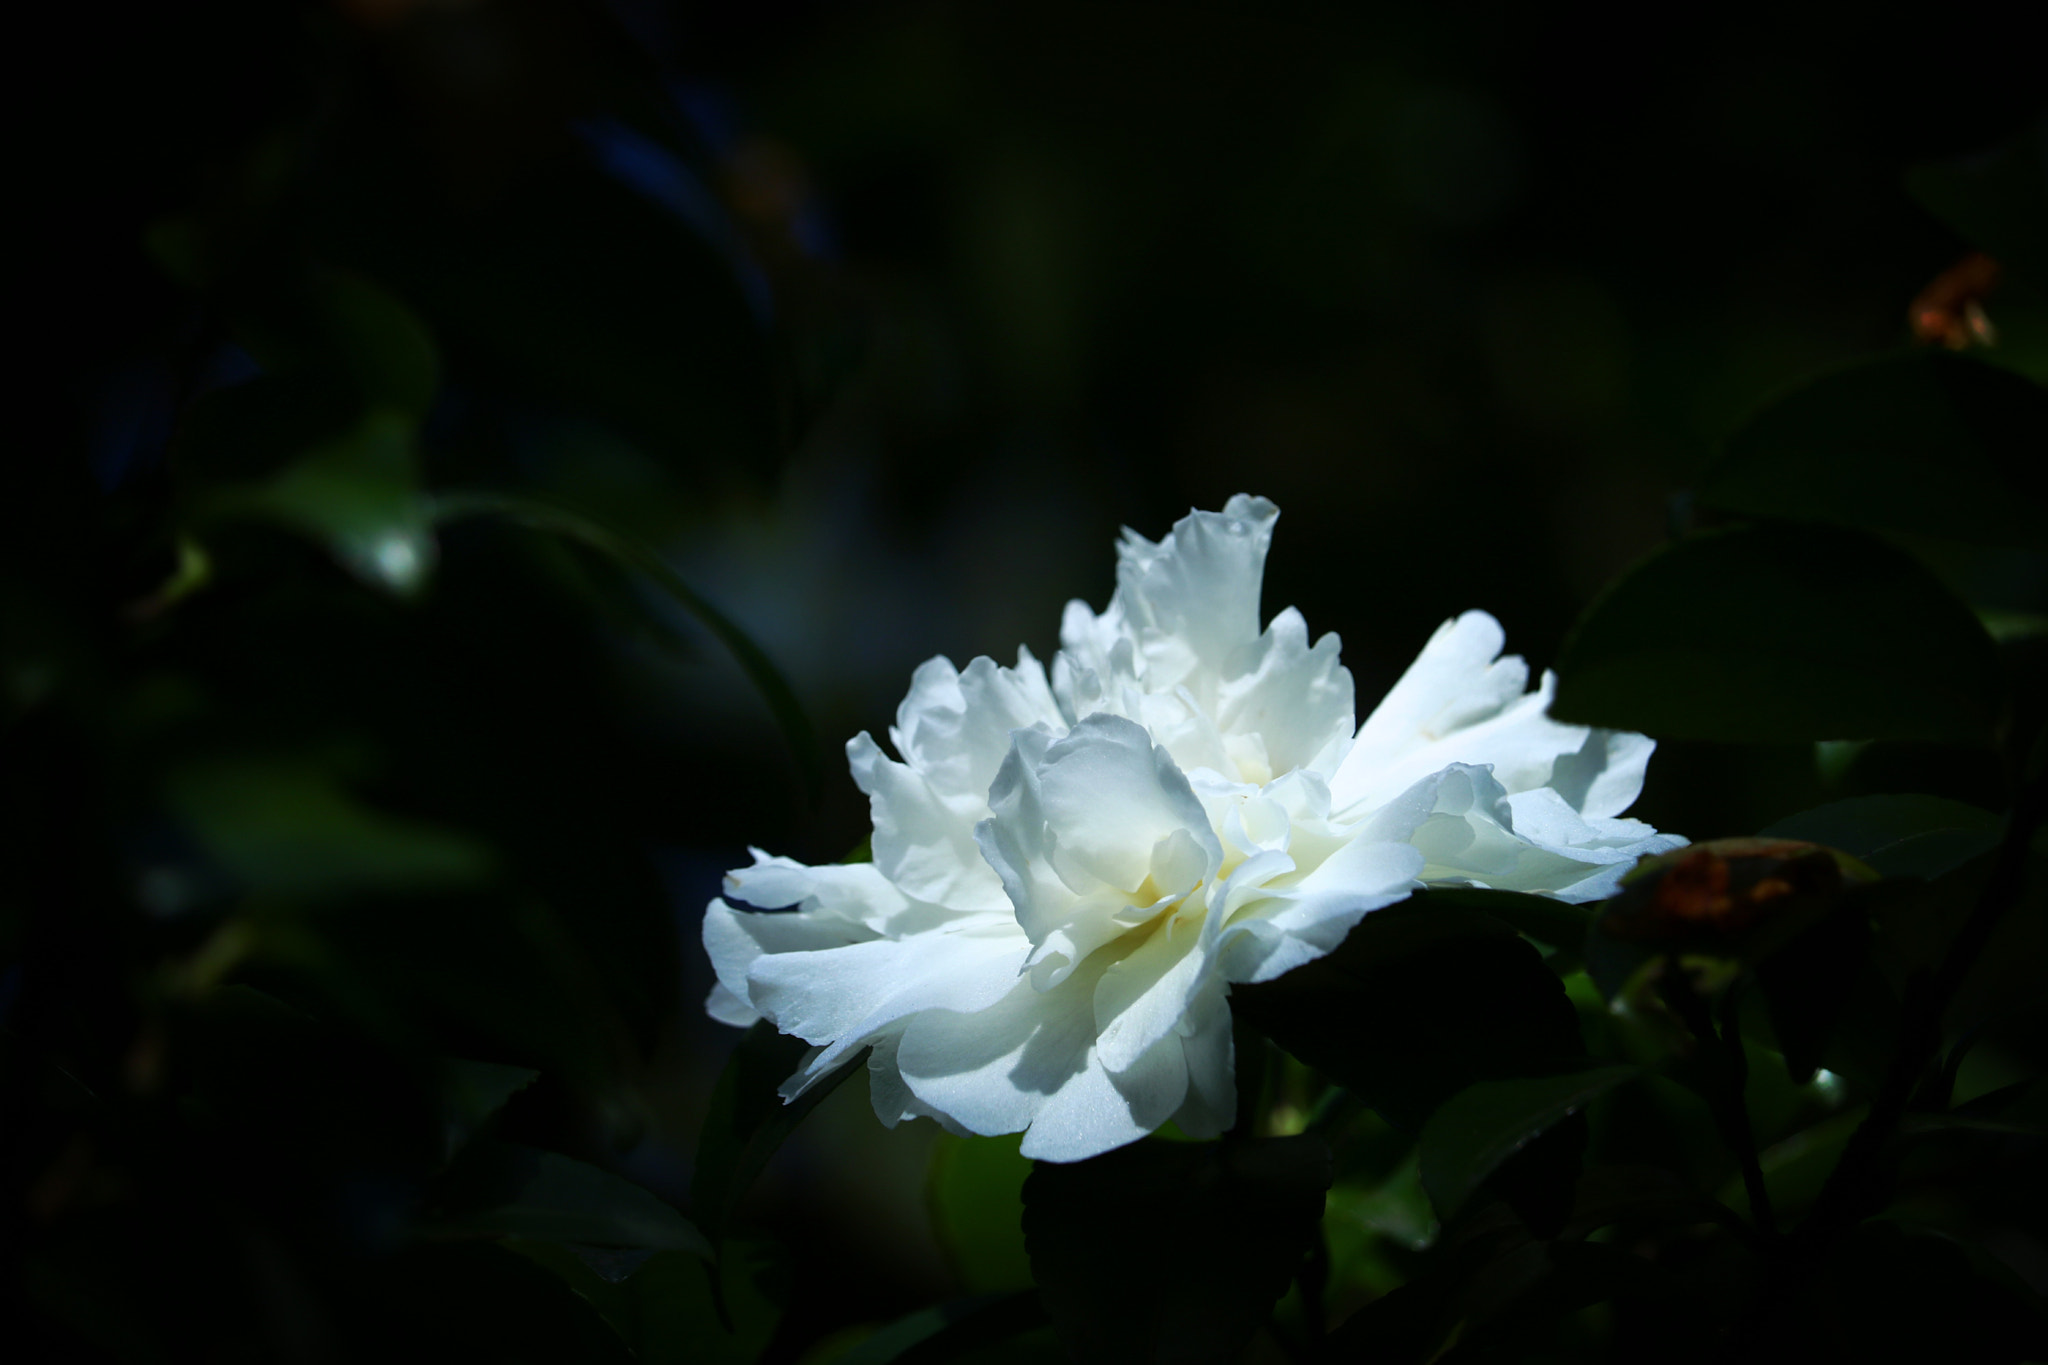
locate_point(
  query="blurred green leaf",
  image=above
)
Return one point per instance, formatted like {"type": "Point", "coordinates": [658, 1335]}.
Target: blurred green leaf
{"type": "Point", "coordinates": [666, 1306]}
{"type": "Point", "coordinates": [1925, 442]}
{"type": "Point", "coordinates": [455, 1301]}
{"type": "Point", "coordinates": [1891, 1290]}
{"type": "Point", "coordinates": [1397, 1206]}
{"type": "Point", "coordinates": [1408, 1325]}
{"type": "Point", "coordinates": [1796, 1168]}
{"type": "Point", "coordinates": [2017, 1110]}
{"type": "Point", "coordinates": [759, 668]}
{"type": "Point", "coordinates": [1808, 983]}
{"type": "Point", "coordinates": [1482, 1126]}
{"type": "Point", "coordinates": [379, 342]}
{"type": "Point", "coordinates": [1997, 200]}
{"type": "Point", "coordinates": [977, 1198]}
{"type": "Point", "coordinates": [1898, 836]}
{"type": "Point", "coordinates": [290, 828]}
{"type": "Point", "coordinates": [474, 1091]}
{"type": "Point", "coordinates": [1417, 1003]}
{"type": "Point", "coordinates": [358, 496]}
{"type": "Point", "coordinates": [948, 1330]}
{"type": "Point", "coordinates": [504, 1190]}
{"type": "Point", "coordinates": [1167, 1251]}
{"type": "Point", "coordinates": [748, 1120]}
{"type": "Point", "coordinates": [721, 1311]}
{"type": "Point", "coordinates": [575, 290]}
{"type": "Point", "coordinates": [1764, 632]}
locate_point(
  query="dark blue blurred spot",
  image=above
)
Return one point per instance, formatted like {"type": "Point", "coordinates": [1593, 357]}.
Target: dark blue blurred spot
{"type": "Point", "coordinates": [136, 407]}
{"type": "Point", "coordinates": [653, 171]}
{"type": "Point", "coordinates": [131, 423]}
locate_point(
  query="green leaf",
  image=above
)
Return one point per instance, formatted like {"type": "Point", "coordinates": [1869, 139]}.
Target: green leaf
{"type": "Point", "coordinates": [663, 1306]}
{"type": "Point", "coordinates": [1405, 1326]}
{"type": "Point", "coordinates": [290, 828]}
{"type": "Point", "coordinates": [503, 1190]}
{"type": "Point", "coordinates": [643, 559]}
{"type": "Point", "coordinates": [381, 343]}
{"type": "Point", "coordinates": [1998, 201]}
{"type": "Point", "coordinates": [1764, 633]}
{"type": "Point", "coordinates": [1926, 442]}
{"type": "Point", "coordinates": [1466, 1140]}
{"type": "Point", "coordinates": [1893, 1291]}
{"type": "Point", "coordinates": [748, 1120]}
{"type": "Point", "coordinates": [1418, 1002]}
{"type": "Point", "coordinates": [1808, 983]}
{"type": "Point", "coordinates": [977, 1199]}
{"type": "Point", "coordinates": [475, 1301]}
{"type": "Point", "coordinates": [1552, 923]}
{"type": "Point", "coordinates": [1170, 1251]}
{"type": "Point", "coordinates": [576, 291]}
{"type": "Point", "coordinates": [1796, 1168]}
{"type": "Point", "coordinates": [947, 1330]}
{"type": "Point", "coordinates": [722, 1313]}
{"type": "Point", "coordinates": [357, 495]}
{"type": "Point", "coordinates": [1898, 836]}
{"type": "Point", "coordinates": [473, 1092]}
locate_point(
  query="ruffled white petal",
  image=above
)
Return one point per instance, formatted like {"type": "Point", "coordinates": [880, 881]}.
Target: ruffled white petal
{"type": "Point", "coordinates": [954, 727]}
{"type": "Point", "coordinates": [842, 998]}
{"type": "Point", "coordinates": [920, 844]}
{"type": "Point", "coordinates": [1294, 700]}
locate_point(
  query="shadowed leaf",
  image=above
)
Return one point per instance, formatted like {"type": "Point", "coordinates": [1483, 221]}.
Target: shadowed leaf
{"type": "Point", "coordinates": [748, 1120]}
{"type": "Point", "coordinates": [1165, 1251]}
{"type": "Point", "coordinates": [1763, 633]}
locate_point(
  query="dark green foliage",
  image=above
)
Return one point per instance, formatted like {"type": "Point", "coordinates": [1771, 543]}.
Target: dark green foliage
{"type": "Point", "coordinates": [1925, 442]}
{"type": "Point", "coordinates": [1470, 1136]}
{"type": "Point", "coordinates": [1418, 1003]}
{"type": "Point", "coordinates": [1767, 632]}
{"type": "Point", "coordinates": [949, 1330]}
{"type": "Point", "coordinates": [749, 1119]}
{"type": "Point", "coordinates": [1897, 836]}
{"type": "Point", "coordinates": [1170, 1252]}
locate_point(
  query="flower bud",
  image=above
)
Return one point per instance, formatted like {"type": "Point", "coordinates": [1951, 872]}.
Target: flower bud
{"type": "Point", "coordinates": [1736, 898]}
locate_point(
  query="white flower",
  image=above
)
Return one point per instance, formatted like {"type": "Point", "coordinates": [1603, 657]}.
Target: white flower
{"type": "Point", "coordinates": [1070, 871]}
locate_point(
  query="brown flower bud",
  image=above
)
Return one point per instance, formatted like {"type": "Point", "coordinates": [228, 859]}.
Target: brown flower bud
{"type": "Point", "coordinates": [1730, 897]}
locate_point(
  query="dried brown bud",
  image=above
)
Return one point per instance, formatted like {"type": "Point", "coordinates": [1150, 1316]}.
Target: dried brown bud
{"type": "Point", "coordinates": [1730, 897]}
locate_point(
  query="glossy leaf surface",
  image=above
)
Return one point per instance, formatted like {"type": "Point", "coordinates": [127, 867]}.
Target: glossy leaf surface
{"type": "Point", "coordinates": [1772, 633]}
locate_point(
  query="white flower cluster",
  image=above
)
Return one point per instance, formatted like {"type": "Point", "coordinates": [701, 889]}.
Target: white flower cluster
{"type": "Point", "coordinates": [1071, 869]}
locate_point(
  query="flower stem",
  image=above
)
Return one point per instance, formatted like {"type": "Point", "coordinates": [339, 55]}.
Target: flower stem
{"type": "Point", "coordinates": [1728, 1077]}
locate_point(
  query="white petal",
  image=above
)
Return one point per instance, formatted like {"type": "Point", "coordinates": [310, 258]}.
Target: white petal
{"type": "Point", "coordinates": [1304, 921]}
{"type": "Point", "coordinates": [1143, 997]}
{"type": "Point", "coordinates": [734, 940]}
{"type": "Point", "coordinates": [1086, 1117]}
{"type": "Point", "coordinates": [994, 1070]}
{"type": "Point", "coordinates": [728, 1008]}
{"type": "Point", "coordinates": [1531, 841]}
{"type": "Point", "coordinates": [1153, 1086]}
{"type": "Point", "coordinates": [1457, 703]}
{"type": "Point", "coordinates": [855, 892]}
{"type": "Point", "coordinates": [842, 996]}
{"type": "Point", "coordinates": [1209, 1052]}
{"type": "Point", "coordinates": [1605, 775]}
{"type": "Point", "coordinates": [1109, 796]}
{"type": "Point", "coordinates": [954, 728]}
{"type": "Point", "coordinates": [1193, 598]}
{"type": "Point", "coordinates": [920, 844]}
{"type": "Point", "coordinates": [1297, 700]}
{"type": "Point", "coordinates": [891, 1097]}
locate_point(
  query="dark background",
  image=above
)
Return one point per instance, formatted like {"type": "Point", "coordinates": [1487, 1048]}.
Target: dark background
{"type": "Point", "coordinates": [875, 319]}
